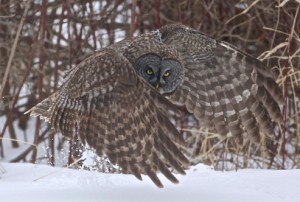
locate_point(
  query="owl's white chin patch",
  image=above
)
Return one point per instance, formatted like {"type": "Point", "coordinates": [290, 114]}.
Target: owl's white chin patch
{"type": "Point", "coordinates": [161, 91]}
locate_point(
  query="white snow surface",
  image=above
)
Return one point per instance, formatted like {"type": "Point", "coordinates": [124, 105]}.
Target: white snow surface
{"type": "Point", "coordinates": [42, 183]}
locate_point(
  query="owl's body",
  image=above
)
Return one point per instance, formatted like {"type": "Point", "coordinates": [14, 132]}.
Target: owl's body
{"type": "Point", "coordinates": [117, 100]}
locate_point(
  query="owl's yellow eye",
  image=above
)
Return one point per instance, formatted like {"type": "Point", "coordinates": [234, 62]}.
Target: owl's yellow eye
{"type": "Point", "coordinates": [167, 73]}
{"type": "Point", "coordinates": [149, 71]}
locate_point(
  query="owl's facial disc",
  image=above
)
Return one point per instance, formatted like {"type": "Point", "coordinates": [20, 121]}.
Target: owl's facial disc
{"type": "Point", "coordinates": [163, 74]}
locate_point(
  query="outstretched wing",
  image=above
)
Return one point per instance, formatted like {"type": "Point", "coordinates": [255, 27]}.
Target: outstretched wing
{"type": "Point", "coordinates": [226, 89]}
{"type": "Point", "coordinates": [117, 113]}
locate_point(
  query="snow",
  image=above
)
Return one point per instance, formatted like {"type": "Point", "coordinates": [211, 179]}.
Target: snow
{"type": "Point", "coordinates": [29, 182]}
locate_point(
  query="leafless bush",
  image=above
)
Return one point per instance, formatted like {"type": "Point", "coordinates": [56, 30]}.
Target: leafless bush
{"type": "Point", "coordinates": [56, 35]}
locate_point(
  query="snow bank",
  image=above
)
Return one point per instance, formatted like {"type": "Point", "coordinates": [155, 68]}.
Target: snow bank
{"type": "Point", "coordinates": [28, 182]}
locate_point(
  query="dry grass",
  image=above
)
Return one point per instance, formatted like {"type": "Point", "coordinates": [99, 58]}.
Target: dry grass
{"type": "Point", "coordinates": [57, 35]}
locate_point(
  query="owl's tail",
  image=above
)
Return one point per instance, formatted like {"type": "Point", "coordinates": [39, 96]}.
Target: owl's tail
{"type": "Point", "coordinates": [43, 109]}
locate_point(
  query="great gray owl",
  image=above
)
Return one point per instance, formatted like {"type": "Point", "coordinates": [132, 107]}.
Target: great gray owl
{"type": "Point", "coordinates": [117, 100]}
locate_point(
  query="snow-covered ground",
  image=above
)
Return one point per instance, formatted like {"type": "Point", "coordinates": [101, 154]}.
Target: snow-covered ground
{"type": "Point", "coordinates": [28, 182]}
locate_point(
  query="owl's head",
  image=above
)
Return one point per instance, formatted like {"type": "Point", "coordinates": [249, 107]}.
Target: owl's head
{"type": "Point", "coordinates": [163, 74]}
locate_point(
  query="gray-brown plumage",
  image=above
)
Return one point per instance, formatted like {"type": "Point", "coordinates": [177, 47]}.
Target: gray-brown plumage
{"type": "Point", "coordinates": [118, 99]}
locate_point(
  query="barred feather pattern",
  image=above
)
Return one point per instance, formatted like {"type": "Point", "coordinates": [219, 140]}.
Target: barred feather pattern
{"type": "Point", "coordinates": [223, 87]}
{"type": "Point", "coordinates": [118, 114]}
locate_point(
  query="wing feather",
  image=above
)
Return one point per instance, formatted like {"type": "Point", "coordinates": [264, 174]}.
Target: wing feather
{"type": "Point", "coordinates": [118, 114]}
{"type": "Point", "coordinates": [223, 87]}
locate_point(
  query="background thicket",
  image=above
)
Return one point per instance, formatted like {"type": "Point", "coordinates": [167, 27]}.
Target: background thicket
{"type": "Point", "coordinates": [39, 40]}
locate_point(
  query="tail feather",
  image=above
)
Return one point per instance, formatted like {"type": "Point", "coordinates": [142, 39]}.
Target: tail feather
{"type": "Point", "coordinates": [42, 109]}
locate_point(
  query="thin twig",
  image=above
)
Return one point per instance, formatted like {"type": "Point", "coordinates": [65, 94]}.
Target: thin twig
{"type": "Point", "coordinates": [56, 171]}
{"type": "Point", "coordinates": [13, 50]}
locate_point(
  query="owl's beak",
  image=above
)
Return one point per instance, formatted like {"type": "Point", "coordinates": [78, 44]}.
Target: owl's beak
{"type": "Point", "coordinates": [157, 86]}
